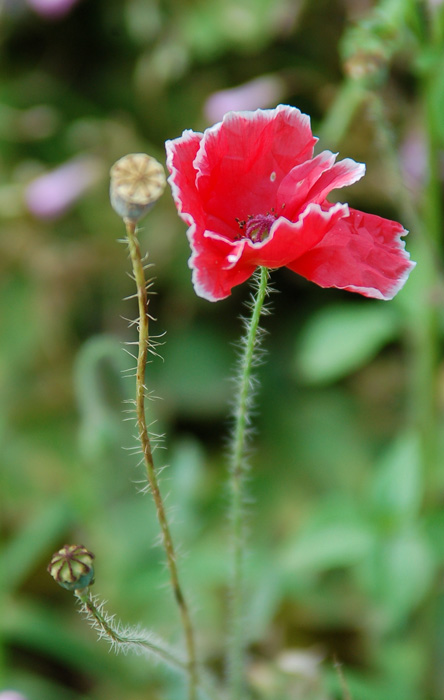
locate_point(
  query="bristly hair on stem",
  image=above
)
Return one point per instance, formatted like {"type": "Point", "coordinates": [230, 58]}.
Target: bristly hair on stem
{"type": "Point", "coordinates": [246, 384]}
{"type": "Point", "coordinates": [143, 344]}
{"type": "Point", "coordinates": [122, 638]}
{"type": "Point", "coordinates": [125, 638]}
{"type": "Point", "coordinates": [252, 357]}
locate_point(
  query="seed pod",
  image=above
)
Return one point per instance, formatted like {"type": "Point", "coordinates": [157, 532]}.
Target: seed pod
{"type": "Point", "coordinates": [72, 567]}
{"type": "Point", "coordinates": [137, 182]}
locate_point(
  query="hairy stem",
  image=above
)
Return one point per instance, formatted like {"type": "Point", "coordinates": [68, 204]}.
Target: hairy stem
{"type": "Point", "coordinates": [122, 639]}
{"type": "Point", "coordinates": [137, 640]}
{"type": "Point", "coordinates": [238, 471]}
{"type": "Point", "coordinates": [143, 326]}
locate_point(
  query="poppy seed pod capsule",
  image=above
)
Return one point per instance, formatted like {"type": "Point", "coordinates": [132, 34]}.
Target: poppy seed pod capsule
{"type": "Point", "coordinates": [72, 567]}
{"type": "Point", "coordinates": [137, 182]}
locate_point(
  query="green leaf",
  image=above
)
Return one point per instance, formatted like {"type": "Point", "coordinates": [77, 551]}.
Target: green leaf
{"type": "Point", "coordinates": [398, 574]}
{"type": "Point", "coordinates": [187, 473]}
{"type": "Point", "coordinates": [397, 488]}
{"type": "Point", "coordinates": [101, 387]}
{"type": "Point", "coordinates": [340, 339]}
{"type": "Point", "coordinates": [337, 537]}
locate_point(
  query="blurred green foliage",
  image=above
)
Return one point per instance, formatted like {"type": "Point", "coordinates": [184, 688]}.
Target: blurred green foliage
{"type": "Point", "coordinates": [347, 527]}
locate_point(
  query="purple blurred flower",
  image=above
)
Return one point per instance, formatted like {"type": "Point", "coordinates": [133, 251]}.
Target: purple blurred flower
{"type": "Point", "coordinates": [52, 9]}
{"type": "Point", "coordinates": [413, 157]}
{"type": "Point", "coordinates": [51, 195]}
{"type": "Point", "coordinates": [265, 91]}
{"type": "Point", "coordinates": [11, 695]}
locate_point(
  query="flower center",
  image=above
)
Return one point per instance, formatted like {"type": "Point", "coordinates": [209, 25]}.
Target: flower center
{"type": "Point", "coordinates": [257, 228]}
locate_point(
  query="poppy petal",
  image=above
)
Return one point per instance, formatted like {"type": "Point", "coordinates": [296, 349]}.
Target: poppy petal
{"type": "Point", "coordinates": [213, 278]}
{"type": "Point", "coordinates": [242, 160]}
{"type": "Point", "coordinates": [294, 188]}
{"type": "Point", "coordinates": [180, 156]}
{"type": "Point", "coordinates": [219, 265]}
{"type": "Point", "coordinates": [287, 238]}
{"type": "Point", "coordinates": [313, 180]}
{"type": "Point", "coordinates": [344, 173]}
{"type": "Point", "coordinates": [362, 253]}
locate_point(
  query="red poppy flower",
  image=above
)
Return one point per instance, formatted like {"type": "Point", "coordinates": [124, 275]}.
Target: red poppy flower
{"type": "Point", "coordinates": [252, 194]}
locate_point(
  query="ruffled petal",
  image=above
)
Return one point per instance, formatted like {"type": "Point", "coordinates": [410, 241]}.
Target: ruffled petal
{"type": "Point", "coordinates": [313, 180]}
{"type": "Point", "coordinates": [294, 188]}
{"type": "Point", "coordinates": [362, 253]}
{"type": "Point", "coordinates": [219, 264]}
{"type": "Point", "coordinates": [288, 240]}
{"type": "Point", "coordinates": [181, 153]}
{"type": "Point", "coordinates": [342, 174]}
{"type": "Point", "coordinates": [213, 278]}
{"type": "Point", "coordinates": [242, 160]}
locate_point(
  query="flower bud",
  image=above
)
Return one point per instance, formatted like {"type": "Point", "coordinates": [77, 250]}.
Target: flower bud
{"type": "Point", "coordinates": [137, 182]}
{"type": "Point", "coordinates": [72, 567]}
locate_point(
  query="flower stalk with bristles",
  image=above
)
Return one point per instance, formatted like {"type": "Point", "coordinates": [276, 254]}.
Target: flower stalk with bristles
{"type": "Point", "coordinates": [137, 181]}
{"type": "Point", "coordinates": [238, 473]}
{"type": "Point", "coordinates": [71, 567]}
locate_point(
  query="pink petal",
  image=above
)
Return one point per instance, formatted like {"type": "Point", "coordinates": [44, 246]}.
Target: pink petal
{"type": "Point", "coordinates": [313, 180]}
{"type": "Point", "coordinates": [344, 173]}
{"type": "Point", "coordinates": [220, 264]}
{"type": "Point", "coordinates": [288, 240]}
{"type": "Point", "coordinates": [295, 186]}
{"type": "Point", "coordinates": [209, 260]}
{"type": "Point", "coordinates": [361, 253]}
{"type": "Point", "coordinates": [181, 153]}
{"type": "Point", "coordinates": [242, 160]}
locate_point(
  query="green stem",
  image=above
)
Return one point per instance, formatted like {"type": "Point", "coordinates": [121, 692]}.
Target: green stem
{"type": "Point", "coordinates": [425, 330]}
{"type": "Point", "coordinates": [144, 340]}
{"type": "Point", "coordinates": [339, 117]}
{"type": "Point", "coordinates": [122, 639]}
{"type": "Point", "coordinates": [238, 470]}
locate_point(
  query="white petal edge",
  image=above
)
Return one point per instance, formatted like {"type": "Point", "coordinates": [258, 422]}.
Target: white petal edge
{"type": "Point", "coordinates": [170, 147]}
{"type": "Point", "coordinates": [357, 170]}
{"type": "Point", "coordinates": [238, 246]}
{"type": "Point", "coordinates": [252, 116]}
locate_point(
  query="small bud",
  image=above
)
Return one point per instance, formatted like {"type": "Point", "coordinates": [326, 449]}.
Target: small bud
{"type": "Point", "coordinates": [72, 567]}
{"type": "Point", "coordinates": [137, 182]}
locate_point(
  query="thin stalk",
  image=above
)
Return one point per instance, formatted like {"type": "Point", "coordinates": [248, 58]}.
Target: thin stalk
{"type": "Point", "coordinates": [238, 472]}
{"type": "Point", "coordinates": [144, 340]}
{"type": "Point", "coordinates": [138, 640]}
{"type": "Point", "coordinates": [425, 326]}
{"type": "Point", "coordinates": [423, 319]}
{"type": "Point", "coordinates": [348, 100]}
{"type": "Point", "coordinates": [123, 639]}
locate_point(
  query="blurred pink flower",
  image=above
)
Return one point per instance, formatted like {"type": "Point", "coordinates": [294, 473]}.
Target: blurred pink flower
{"type": "Point", "coordinates": [265, 91]}
{"type": "Point", "coordinates": [52, 9]}
{"type": "Point", "coordinates": [413, 157]}
{"type": "Point", "coordinates": [11, 695]}
{"type": "Point", "coordinates": [52, 194]}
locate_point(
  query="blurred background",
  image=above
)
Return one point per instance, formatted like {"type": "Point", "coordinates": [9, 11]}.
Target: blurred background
{"type": "Point", "coordinates": [347, 527]}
